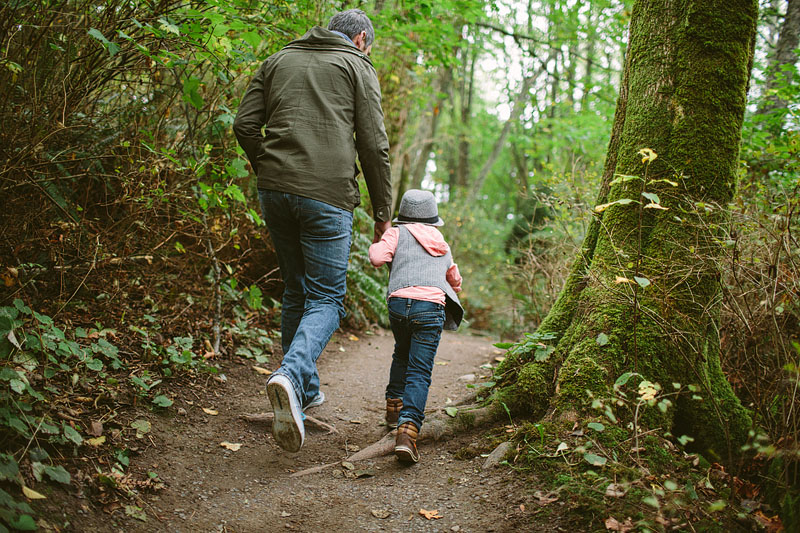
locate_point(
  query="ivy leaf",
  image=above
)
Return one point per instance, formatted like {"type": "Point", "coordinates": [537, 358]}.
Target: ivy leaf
{"type": "Point", "coordinates": [17, 386]}
{"type": "Point", "coordinates": [623, 379]}
{"type": "Point", "coordinates": [8, 467]}
{"type": "Point", "coordinates": [94, 364]}
{"type": "Point", "coordinates": [141, 426]}
{"type": "Point", "coordinates": [190, 94]}
{"type": "Point", "coordinates": [58, 474]}
{"type": "Point", "coordinates": [653, 197]}
{"type": "Point", "coordinates": [72, 435]}
{"type": "Point", "coordinates": [597, 426]}
{"type": "Point", "coordinates": [24, 523]}
{"type": "Point", "coordinates": [652, 501]}
{"type": "Point", "coordinates": [162, 401]}
{"type": "Point", "coordinates": [594, 460]}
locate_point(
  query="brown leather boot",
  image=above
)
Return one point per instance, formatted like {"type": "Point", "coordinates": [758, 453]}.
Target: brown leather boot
{"type": "Point", "coordinates": [393, 406]}
{"type": "Point", "coordinates": [405, 444]}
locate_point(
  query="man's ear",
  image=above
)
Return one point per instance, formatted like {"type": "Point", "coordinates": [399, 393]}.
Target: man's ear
{"type": "Point", "coordinates": [360, 40]}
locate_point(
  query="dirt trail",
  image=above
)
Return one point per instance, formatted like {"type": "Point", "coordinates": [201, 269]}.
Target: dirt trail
{"type": "Point", "coordinates": [209, 488]}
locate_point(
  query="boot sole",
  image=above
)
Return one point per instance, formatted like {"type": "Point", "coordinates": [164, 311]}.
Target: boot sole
{"type": "Point", "coordinates": [286, 427]}
{"type": "Point", "coordinates": [405, 454]}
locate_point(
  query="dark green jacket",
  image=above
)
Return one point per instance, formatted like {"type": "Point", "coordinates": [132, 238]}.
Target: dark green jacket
{"type": "Point", "coordinates": [313, 96]}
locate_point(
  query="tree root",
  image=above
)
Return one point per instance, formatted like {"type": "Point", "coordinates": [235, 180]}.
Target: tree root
{"type": "Point", "coordinates": [437, 427]}
{"type": "Point", "coordinates": [267, 419]}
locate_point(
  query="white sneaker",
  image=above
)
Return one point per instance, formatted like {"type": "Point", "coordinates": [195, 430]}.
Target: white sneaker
{"type": "Point", "coordinates": [287, 426]}
{"type": "Point", "coordinates": [316, 402]}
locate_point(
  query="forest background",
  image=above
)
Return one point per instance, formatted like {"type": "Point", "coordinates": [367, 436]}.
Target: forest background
{"type": "Point", "coordinates": [132, 251]}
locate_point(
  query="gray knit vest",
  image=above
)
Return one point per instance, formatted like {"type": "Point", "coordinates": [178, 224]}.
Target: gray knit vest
{"type": "Point", "coordinates": [413, 266]}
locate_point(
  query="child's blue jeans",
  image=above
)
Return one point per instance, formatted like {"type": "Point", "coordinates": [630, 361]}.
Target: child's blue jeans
{"type": "Point", "coordinates": [417, 327]}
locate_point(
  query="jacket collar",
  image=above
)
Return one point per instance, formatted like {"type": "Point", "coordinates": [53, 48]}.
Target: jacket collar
{"type": "Point", "coordinates": [319, 38]}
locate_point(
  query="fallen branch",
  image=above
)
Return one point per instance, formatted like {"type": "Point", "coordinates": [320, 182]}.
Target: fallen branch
{"type": "Point", "coordinates": [437, 427]}
{"type": "Point", "coordinates": [268, 417]}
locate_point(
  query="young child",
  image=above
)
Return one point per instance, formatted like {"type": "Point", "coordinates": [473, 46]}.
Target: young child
{"type": "Point", "coordinates": [423, 282]}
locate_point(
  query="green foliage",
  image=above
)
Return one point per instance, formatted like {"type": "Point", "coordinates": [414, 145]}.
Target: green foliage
{"type": "Point", "coordinates": [366, 285]}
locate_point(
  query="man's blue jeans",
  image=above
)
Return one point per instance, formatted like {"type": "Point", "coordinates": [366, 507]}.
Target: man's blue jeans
{"type": "Point", "coordinates": [417, 327]}
{"type": "Point", "coordinates": [312, 241]}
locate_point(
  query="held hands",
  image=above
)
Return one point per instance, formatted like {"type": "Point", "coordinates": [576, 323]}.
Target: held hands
{"type": "Point", "coordinates": [380, 229]}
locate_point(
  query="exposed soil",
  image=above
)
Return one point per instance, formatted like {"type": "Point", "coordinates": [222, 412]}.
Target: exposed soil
{"type": "Point", "coordinates": [209, 488]}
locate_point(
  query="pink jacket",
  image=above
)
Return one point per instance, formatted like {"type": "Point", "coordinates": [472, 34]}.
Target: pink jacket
{"type": "Point", "coordinates": [432, 240]}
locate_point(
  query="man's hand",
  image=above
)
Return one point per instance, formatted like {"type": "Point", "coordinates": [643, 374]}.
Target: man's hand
{"type": "Point", "coordinates": [380, 229]}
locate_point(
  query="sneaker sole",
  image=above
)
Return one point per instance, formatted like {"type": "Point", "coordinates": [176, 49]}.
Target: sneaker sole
{"type": "Point", "coordinates": [405, 454]}
{"type": "Point", "coordinates": [286, 424]}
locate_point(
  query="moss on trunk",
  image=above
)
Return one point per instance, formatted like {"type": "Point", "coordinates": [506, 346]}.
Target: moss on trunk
{"type": "Point", "coordinates": [683, 96]}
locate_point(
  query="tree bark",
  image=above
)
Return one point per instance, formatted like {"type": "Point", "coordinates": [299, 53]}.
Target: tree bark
{"type": "Point", "coordinates": [683, 95]}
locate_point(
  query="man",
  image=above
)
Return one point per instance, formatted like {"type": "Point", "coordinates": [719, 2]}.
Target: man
{"type": "Point", "coordinates": [319, 102]}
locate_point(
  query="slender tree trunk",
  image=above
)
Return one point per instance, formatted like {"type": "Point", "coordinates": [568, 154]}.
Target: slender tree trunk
{"type": "Point", "coordinates": [788, 39]}
{"type": "Point", "coordinates": [516, 110]}
{"type": "Point", "coordinates": [587, 84]}
{"type": "Point", "coordinates": [418, 172]}
{"type": "Point", "coordinates": [643, 293]}
{"type": "Point", "coordinates": [466, 114]}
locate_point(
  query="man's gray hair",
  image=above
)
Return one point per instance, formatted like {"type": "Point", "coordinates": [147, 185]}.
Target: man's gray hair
{"type": "Point", "coordinates": [351, 23]}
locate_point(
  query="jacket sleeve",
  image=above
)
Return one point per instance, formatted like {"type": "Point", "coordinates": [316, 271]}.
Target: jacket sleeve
{"type": "Point", "coordinates": [382, 252]}
{"type": "Point", "coordinates": [454, 277]}
{"type": "Point", "coordinates": [372, 143]}
{"type": "Point", "coordinates": [250, 118]}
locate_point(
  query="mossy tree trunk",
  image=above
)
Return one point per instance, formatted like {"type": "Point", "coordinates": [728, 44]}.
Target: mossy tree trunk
{"type": "Point", "coordinates": [647, 278]}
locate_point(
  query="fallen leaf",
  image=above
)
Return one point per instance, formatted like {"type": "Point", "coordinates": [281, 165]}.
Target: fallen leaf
{"type": "Point", "coordinates": [211, 412]}
{"type": "Point", "coordinates": [612, 524]}
{"type": "Point", "coordinates": [621, 279]}
{"type": "Point", "coordinates": [96, 429]}
{"type": "Point", "coordinates": [341, 349]}
{"type": "Point", "coordinates": [442, 363]}
{"type": "Point", "coordinates": [355, 474]}
{"type": "Point", "coordinates": [141, 426]}
{"type": "Point", "coordinates": [451, 411]}
{"type": "Point", "coordinates": [284, 514]}
{"type": "Point", "coordinates": [430, 515]}
{"type": "Point", "coordinates": [355, 421]}
{"type": "Point", "coordinates": [262, 371]}
{"type": "Point", "coordinates": [615, 490]}
{"type": "Point", "coordinates": [32, 494]}
{"type": "Point", "coordinates": [381, 513]}
{"type": "Point", "coordinates": [522, 507]}
{"type": "Point", "coordinates": [771, 524]}
{"type": "Point", "coordinates": [232, 446]}
{"type": "Point", "coordinates": [97, 441]}
{"type": "Point", "coordinates": [544, 498]}
{"type": "Point", "coordinates": [351, 448]}
{"type": "Point", "coordinates": [353, 338]}
{"type": "Point", "coordinates": [136, 512]}
{"type": "Point", "coordinates": [348, 465]}
{"type": "Point", "coordinates": [499, 359]}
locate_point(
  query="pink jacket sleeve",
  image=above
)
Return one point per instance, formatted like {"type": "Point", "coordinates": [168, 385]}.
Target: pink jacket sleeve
{"type": "Point", "coordinates": [382, 251]}
{"type": "Point", "coordinates": [454, 277]}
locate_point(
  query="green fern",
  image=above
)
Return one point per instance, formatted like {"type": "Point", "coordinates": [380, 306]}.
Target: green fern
{"type": "Point", "coordinates": [366, 285]}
